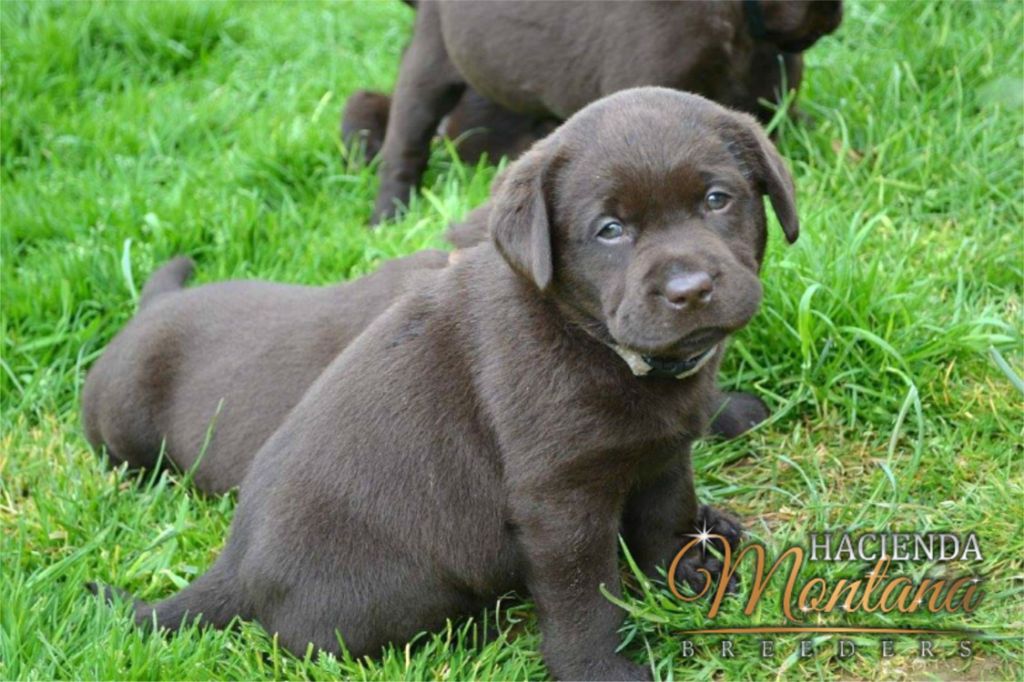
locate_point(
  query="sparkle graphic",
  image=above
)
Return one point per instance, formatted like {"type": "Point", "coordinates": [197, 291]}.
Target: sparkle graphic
{"type": "Point", "coordinates": [704, 535]}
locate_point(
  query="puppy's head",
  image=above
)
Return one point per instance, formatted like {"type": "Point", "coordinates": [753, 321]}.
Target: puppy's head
{"type": "Point", "coordinates": [643, 217]}
{"type": "Point", "coordinates": [795, 25]}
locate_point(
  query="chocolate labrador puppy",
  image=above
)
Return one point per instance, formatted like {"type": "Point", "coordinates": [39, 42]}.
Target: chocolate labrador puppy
{"type": "Point", "coordinates": [500, 424]}
{"type": "Point", "coordinates": [549, 59]}
{"type": "Point", "coordinates": [479, 126]}
{"type": "Point", "coordinates": [211, 371]}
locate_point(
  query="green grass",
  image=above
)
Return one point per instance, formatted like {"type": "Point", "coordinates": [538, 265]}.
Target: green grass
{"type": "Point", "coordinates": [133, 132]}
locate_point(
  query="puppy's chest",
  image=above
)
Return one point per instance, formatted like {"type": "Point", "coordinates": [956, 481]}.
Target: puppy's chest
{"type": "Point", "coordinates": [643, 412]}
{"type": "Point", "coordinates": [606, 418]}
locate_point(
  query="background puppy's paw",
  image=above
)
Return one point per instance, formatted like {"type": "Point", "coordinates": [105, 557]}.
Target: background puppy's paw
{"type": "Point", "coordinates": [738, 413]}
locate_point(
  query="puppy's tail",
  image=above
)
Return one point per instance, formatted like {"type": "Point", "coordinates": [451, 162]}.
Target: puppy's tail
{"type": "Point", "coordinates": [208, 602]}
{"type": "Point", "coordinates": [169, 277]}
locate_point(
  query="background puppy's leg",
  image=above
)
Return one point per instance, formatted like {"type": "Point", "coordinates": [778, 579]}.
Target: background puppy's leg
{"type": "Point", "coordinates": [428, 87]}
{"type": "Point", "coordinates": [773, 74]}
{"type": "Point", "coordinates": [481, 126]}
{"type": "Point", "coordinates": [737, 413]}
{"type": "Point", "coordinates": [365, 121]}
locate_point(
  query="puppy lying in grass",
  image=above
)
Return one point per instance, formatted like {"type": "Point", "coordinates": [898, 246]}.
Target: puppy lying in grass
{"type": "Point", "coordinates": [201, 377]}
{"type": "Point", "coordinates": [507, 418]}
{"type": "Point", "coordinates": [212, 371]}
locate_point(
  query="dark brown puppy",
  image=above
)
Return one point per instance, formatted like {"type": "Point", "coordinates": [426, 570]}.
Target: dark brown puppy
{"type": "Point", "coordinates": [476, 125]}
{"type": "Point", "coordinates": [224, 363]}
{"type": "Point", "coordinates": [479, 126]}
{"type": "Point", "coordinates": [490, 431]}
{"type": "Point", "coordinates": [549, 59]}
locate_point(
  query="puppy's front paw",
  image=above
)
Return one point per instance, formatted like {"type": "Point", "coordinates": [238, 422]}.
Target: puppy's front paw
{"type": "Point", "coordinates": [714, 522]}
{"type": "Point", "coordinates": [720, 522]}
{"type": "Point", "coordinates": [689, 571]}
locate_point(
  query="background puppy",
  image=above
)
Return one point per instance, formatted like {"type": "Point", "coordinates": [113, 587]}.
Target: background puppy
{"type": "Point", "coordinates": [549, 59]}
{"type": "Point", "coordinates": [213, 370]}
{"type": "Point", "coordinates": [499, 425]}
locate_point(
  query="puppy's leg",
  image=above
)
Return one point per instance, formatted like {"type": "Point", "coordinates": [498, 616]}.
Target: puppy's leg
{"type": "Point", "coordinates": [569, 541]}
{"type": "Point", "coordinates": [481, 126]}
{"type": "Point", "coordinates": [737, 413]}
{"type": "Point", "coordinates": [773, 74]}
{"type": "Point", "coordinates": [364, 121]}
{"type": "Point", "coordinates": [428, 87]}
{"type": "Point", "coordinates": [657, 511]}
{"type": "Point", "coordinates": [662, 516]}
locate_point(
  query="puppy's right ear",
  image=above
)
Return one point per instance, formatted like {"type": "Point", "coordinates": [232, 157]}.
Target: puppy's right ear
{"type": "Point", "coordinates": [519, 218]}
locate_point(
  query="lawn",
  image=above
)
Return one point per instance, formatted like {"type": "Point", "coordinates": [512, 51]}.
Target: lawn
{"type": "Point", "coordinates": [887, 344]}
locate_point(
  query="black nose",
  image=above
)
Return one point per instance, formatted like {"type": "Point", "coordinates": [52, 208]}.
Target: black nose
{"type": "Point", "coordinates": [689, 290]}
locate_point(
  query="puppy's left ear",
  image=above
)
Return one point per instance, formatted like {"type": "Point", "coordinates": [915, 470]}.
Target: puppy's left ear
{"type": "Point", "coordinates": [519, 217]}
{"type": "Point", "coordinates": [774, 176]}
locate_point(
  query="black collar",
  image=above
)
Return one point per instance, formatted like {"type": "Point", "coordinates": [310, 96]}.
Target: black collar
{"type": "Point", "coordinates": [755, 19]}
{"type": "Point", "coordinates": [647, 366]}
{"type": "Point", "coordinates": [671, 369]}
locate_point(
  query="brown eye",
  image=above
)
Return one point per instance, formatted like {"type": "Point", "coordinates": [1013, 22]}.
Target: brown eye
{"type": "Point", "coordinates": [716, 201]}
{"type": "Point", "coordinates": [611, 230]}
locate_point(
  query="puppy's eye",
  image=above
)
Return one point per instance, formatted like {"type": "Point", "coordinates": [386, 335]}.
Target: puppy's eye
{"type": "Point", "coordinates": [611, 231]}
{"type": "Point", "coordinates": [716, 201]}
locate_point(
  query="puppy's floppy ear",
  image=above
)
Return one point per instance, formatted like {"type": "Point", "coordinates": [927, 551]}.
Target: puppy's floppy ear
{"type": "Point", "coordinates": [519, 217]}
{"type": "Point", "coordinates": [773, 175]}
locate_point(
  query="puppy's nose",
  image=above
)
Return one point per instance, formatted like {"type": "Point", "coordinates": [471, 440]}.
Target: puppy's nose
{"type": "Point", "coordinates": [689, 290]}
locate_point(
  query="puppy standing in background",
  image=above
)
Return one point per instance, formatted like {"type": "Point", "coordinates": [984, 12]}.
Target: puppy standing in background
{"type": "Point", "coordinates": [501, 424]}
{"type": "Point", "coordinates": [550, 59]}
{"type": "Point", "coordinates": [478, 126]}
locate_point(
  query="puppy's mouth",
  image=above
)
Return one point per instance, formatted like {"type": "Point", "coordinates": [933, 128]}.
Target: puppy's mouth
{"type": "Point", "coordinates": [684, 359]}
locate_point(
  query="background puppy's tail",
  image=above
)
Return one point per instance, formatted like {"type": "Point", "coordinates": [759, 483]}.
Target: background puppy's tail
{"type": "Point", "coordinates": [169, 277]}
